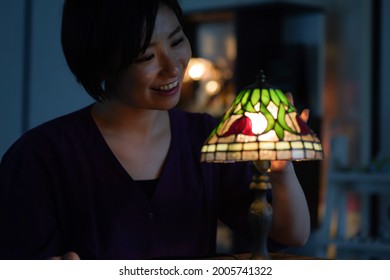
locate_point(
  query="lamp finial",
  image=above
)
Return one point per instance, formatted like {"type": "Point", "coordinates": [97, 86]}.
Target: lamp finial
{"type": "Point", "coordinates": [260, 77]}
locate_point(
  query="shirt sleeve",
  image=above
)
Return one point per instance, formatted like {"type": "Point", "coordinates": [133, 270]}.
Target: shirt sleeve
{"type": "Point", "coordinates": [27, 213]}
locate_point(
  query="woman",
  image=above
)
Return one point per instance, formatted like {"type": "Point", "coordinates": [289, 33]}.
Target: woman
{"type": "Point", "coordinates": [121, 178]}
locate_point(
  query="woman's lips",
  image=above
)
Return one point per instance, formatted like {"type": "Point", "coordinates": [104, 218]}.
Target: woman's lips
{"type": "Point", "coordinates": [168, 86]}
{"type": "Point", "coordinates": [168, 89]}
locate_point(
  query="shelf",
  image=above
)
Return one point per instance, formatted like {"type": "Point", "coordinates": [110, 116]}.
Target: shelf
{"type": "Point", "coordinates": [360, 182]}
{"type": "Point", "coordinates": [365, 185]}
{"type": "Point", "coordinates": [360, 177]}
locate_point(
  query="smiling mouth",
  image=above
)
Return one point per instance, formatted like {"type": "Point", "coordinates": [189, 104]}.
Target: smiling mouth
{"type": "Point", "coordinates": [167, 87]}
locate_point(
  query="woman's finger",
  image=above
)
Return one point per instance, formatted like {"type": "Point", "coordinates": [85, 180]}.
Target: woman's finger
{"type": "Point", "coordinates": [67, 256]}
{"type": "Point", "coordinates": [71, 256]}
{"type": "Point", "coordinates": [290, 97]}
{"type": "Point", "coordinates": [305, 115]}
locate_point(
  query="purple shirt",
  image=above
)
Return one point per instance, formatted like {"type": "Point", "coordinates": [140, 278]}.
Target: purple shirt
{"type": "Point", "coordinates": [62, 189]}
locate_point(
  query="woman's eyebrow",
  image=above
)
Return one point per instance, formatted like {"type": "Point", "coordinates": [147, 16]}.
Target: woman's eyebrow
{"type": "Point", "coordinates": [175, 31]}
{"type": "Point", "coordinates": [170, 35]}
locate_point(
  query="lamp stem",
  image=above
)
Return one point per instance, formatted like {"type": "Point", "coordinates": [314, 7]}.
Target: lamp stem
{"type": "Point", "coordinates": [260, 211]}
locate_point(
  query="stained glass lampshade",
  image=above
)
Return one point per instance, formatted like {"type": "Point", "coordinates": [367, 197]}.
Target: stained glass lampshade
{"type": "Point", "coordinates": [261, 125]}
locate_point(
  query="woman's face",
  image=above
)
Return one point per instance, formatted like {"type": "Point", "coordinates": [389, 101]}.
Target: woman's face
{"type": "Point", "coordinates": [154, 79]}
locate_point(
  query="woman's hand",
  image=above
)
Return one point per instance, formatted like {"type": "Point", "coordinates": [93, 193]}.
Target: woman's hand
{"type": "Point", "coordinates": [280, 165]}
{"type": "Point", "coordinates": [67, 256]}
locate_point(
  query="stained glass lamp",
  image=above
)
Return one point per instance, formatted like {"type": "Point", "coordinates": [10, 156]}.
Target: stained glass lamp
{"type": "Point", "coordinates": [261, 125]}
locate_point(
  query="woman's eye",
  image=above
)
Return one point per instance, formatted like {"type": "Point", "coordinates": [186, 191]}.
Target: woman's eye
{"type": "Point", "coordinates": [145, 58]}
{"type": "Point", "coordinates": [177, 42]}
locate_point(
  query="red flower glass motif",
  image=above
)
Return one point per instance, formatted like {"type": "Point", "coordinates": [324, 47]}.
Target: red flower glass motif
{"type": "Point", "coordinates": [241, 126]}
{"type": "Point", "coordinates": [303, 126]}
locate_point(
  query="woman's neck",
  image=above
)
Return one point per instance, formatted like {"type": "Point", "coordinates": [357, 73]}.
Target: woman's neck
{"type": "Point", "coordinates": [121, 120]}
{"type": "Point", "coordinates": [139, 139]}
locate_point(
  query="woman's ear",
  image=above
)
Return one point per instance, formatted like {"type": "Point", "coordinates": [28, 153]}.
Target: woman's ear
{"type": "Point", "coordinates": [104, 76]}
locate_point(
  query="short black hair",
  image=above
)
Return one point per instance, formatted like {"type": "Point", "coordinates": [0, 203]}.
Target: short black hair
{"type": "Point", "coordinates": [94, 30]}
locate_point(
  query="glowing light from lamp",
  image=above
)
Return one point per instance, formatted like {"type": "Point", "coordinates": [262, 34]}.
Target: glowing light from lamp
{"type": "Point", "coordinates": [259, 122]}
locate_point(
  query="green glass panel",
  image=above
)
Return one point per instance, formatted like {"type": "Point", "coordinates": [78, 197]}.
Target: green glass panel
{"type": "Point", "coordinates": [245, 98]}
{"type": "Point", "coordinates": [221, 126]}
{"type": "Point", "coordinates": [291, 109]}
{"type": "Point", "coordinates": [265, 98]}
{"type": "Point", "coordinates": [269, 117]}
{"type": "Point", "coordinates": [218, 128]}
{"type": "Point", "coordinates": [282, 119]}
{"type": "Point", "coordinates": [282, 97]}
{"type": "Point", "coordinates": [274, 97]}
{"type": "Point", "coordinates": [255, 96]}
{"type": "Point", "coordinates": [237, 108]}
{"type": "Point", "coordinates": [212, 134]}
{"type": "Point", "coordinates": [239, 97]}
{"type": "Point", "coordinates": [279, 131]}
{"type": "Point", "coordinates": [229, 113]}
{"type": "Point", "coordinates": [241, 112]}
{"type": "Point", "coordinates": [249, 108]}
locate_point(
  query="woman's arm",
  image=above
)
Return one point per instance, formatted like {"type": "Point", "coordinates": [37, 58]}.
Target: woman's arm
{"type": "Point", "coordinates": [291, 217]}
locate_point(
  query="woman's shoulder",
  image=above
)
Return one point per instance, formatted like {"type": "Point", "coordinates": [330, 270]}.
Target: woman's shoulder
{"type": "Point", "coordinates": [53, 132]}
{"type": "Point", "coordinates": [75, 120]}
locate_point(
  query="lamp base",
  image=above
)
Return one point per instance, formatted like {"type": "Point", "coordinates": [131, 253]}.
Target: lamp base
{"type": "Point", "coordinates": [260, 211]}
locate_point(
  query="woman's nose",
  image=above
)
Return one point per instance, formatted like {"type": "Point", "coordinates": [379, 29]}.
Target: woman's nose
{"type": "Point", "coordinates": [170, 65]}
